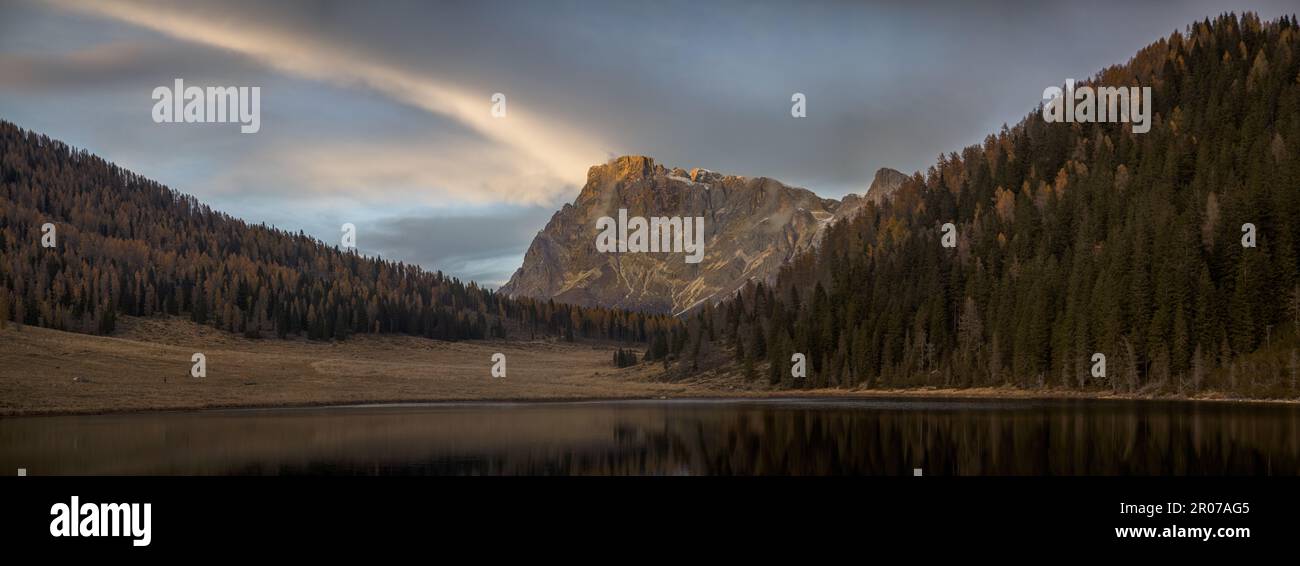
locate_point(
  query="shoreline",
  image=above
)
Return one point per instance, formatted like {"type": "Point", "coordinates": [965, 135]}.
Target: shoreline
{"type": "Point", "coordinates": [706, 395]}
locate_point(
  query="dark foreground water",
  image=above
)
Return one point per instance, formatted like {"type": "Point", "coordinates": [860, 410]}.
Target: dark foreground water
{"type": "Point", "coordinates": [802, 437]}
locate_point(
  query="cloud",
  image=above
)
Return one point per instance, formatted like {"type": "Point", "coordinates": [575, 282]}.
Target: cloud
{"type": "Point", "coordinates": [391, 173]}
{"type": "Point", "coordinates": [113, 64]}
{"type": "Point", "coordinates": [540, 145]}
{"type": "Point", "coordinates": [480, 247]}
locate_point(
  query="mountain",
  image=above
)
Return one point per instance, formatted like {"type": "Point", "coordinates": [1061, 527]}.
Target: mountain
{"type": "Point", "coordinates": [124, 244]}
{"type": "Point", "coordinates": [883, 186]}
{"type": "Point", "coordinates": [752, 226]}
{"type": "Point", "coordinates": [1086, 255]}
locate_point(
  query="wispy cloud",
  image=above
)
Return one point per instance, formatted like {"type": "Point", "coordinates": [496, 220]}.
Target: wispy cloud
{"type": "Point", "coordinates": [481, 247]}
{"type": "Point", "coordinates": [391, 174]}
{"type": "Point", "coordinates": [551, 154]}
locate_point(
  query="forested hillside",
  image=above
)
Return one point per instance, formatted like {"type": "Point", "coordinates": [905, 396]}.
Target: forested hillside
{"type": "Point", "coordinates": [126, 245]}
{"type": "Point", "coordinates": [1072, 239]}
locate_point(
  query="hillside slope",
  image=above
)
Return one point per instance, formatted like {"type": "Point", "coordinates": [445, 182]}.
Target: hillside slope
{"type": "Point", "coordinates": [1072, 240]}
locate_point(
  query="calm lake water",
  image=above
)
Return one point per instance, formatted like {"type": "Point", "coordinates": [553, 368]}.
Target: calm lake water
{"type": "Point", "coordinates": [788, 436]}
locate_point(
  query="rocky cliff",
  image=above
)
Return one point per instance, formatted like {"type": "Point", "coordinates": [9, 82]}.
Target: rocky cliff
{"type": "Point", "coordinates": [752, 225]}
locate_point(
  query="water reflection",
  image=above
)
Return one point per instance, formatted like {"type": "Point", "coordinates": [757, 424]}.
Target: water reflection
{"type": "Point", "coordinates": [795, 437]}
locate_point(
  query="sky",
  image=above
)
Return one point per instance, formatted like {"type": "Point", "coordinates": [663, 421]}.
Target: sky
{"type": "Point", "coordinates": [379, 113]}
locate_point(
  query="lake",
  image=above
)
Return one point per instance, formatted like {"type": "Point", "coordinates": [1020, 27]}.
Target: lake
{"type": "Point", "coordinates": [673, 437]}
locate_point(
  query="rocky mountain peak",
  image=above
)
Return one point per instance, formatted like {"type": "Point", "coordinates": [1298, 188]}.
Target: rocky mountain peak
{"type": "Point", "coordinates": [699, 175]}
{"type": "Point", "coordinates": [751, 227]}
{"type": "Point", "coordinates": [884, 184]}
{"type": "Point", "coordinates": [623, 167]}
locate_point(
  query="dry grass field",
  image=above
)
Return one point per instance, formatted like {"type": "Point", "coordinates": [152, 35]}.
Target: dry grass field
{"type": "Point", "coordinates": [146, 366]}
